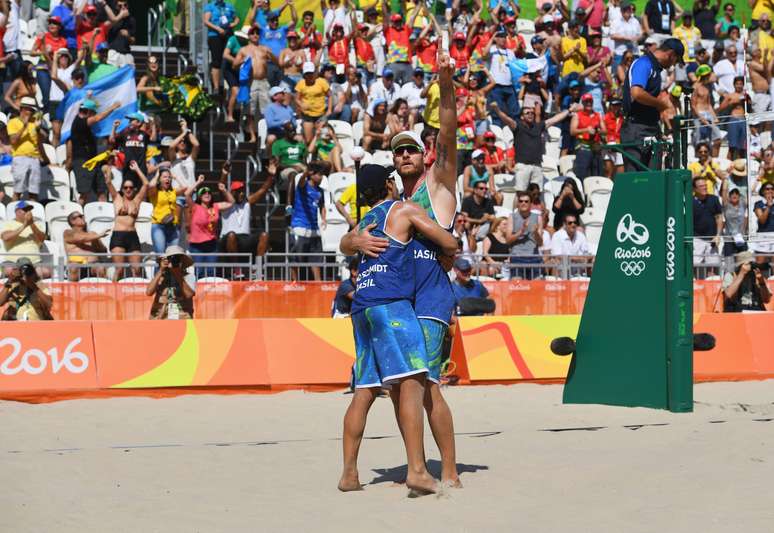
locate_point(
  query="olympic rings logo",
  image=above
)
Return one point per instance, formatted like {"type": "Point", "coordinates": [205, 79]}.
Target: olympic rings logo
{"type": "Point", "coordinates": [633, 268]}
{"type": "Point", "coordinates": [630, 230]}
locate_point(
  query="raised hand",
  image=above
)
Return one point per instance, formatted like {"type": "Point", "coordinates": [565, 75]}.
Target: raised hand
{"type": "Point", "coordinates": [222, 187]}
{"type": "Point", "coordinates": [200, 179]}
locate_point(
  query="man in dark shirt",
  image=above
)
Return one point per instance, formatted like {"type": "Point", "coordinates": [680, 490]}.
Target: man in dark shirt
{"type": "Point", "coordinates": [121, 36]}
{"type": "Point", "coordinates": [478, 209]}
{"type": "Point", "coordinates": [642, 106]}
{"type": "Point", "coordinates": [82, 146]}
{"type": "Point", "coordinates": [705, 17]}
{"type": "Point", "coordinates": [342, 304]}
{"type": "Point", "coordinates": [133, 142]}
{"type": "Point", "coordinates": [659, 18]}
{"type": "Point", "coordinates": [707, 223]}
{"type": "Point", "coordinates": [528, 143]}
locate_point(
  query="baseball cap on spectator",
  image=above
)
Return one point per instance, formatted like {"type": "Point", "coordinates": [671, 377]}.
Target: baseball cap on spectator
{"type": "Point", "coordinates": [489, 135]}
{"type": "Point", "coordinates": [462, 264]}
{"type": "Point", "coordinates": [404, 138]}
{"type": "Point", "coordinates": [24, 205]}
{"type": "Point", "coordinates": [500, 31]}
{"type": "Point", "coordinates": [102, 46]}
{"type": "Point", "coordinates": [277, 89]}
{"type": "Point", "coordinates": [580, 11]}
{"type": "Point", "coordinates": [477, 153]}
{"type": "Point", "coordinates": [739, 168]}
{"type": "Point", "coordinates": [459, 36]}
{"type": "Point", "coordinates": [676, 46]}
{"type": "Point", "coordinates": [574, 83]}
{"type": "Point", "coordinates": [28, 101]}
{"type": "Point", "coordinates": [419, 72]}
{"type": "Point", "coordinates": [24, 261]}
{"type": "Point", "coordinates": [615, 101]}
{"type": "Point", "coordinates": [362, 27]}
{"type": "Point", "coordinates": [236, 185]}
{"type": "Point", "coordinates": [308, 68]}
{"type": "Point", "coordinates": [90, 105]}
{"type": "Point", "coordinates": [537, 39]}
{"type": "Point", "coordinates": [396, 17]}
{"type": "Point", "coordinates": [90, 9]}
{"type": "Point", "coordinates": [587, 98]}
{"type": "Point", "coordinates": [703, 70]}
{"type": "Point", "coordinates": [387, 73]}
{"type": "Point", "coordinates": [167, 140]}
{"type": "Point", "coordinates": [63, 51]}
{"type": "Point", "coordinates": [136, 116]}
{"type": "Point", "coordinates": [55, 20]}
{"type": "Point", "coordinates": [272, 15]}
{"type": "Point", "coordinates": [651, 40]}
{"type": "Point", "coordinates": [293, 35]}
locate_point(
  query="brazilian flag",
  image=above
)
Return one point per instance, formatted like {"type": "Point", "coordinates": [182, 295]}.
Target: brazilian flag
{"type": "Point", "coordinates": [184, 95]}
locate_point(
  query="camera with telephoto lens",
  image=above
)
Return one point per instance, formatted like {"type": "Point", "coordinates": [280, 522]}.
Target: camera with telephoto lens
{"type": "Point", "coordinates": [174, 261]}
{"type": "Point", "coordinates": [27, 271]}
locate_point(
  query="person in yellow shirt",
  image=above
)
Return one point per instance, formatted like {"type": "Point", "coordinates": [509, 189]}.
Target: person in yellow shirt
{"type": "Point", "coordinates": [760, 8]}
{"type": "Point", "coordinates": [165, 230]}
{"type": "Point", "coordinates": [573, 47]}
{"type": "Point", "coordinates": [26, 149]}
{"type": "Point", "coordinates": [708, 168]}
{"type": "Point", "coordinates": [311, 93]}
{"type": "Point", "coordinates": [431, 115]}
{"type": "Point", "coordinates": [21, 236]}
{"type": "Point", "coordinates": [689, 35]}
{"type": "Point", "coordinates": [347, 206]}
{"type": "Point", "coordinates": [765, 39]}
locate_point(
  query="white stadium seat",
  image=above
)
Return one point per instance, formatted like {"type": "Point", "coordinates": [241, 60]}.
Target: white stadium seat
{"type": "Point", "coordinates": [597, 183]}
{"type": "Point", "coordinates": [382, 157]}
{"type": "Point", "coordinates": [334, 230]}
{"type": "Point", "coordinates": [343, 129]}
{"type": "Point", "coordinates": [56, 217]}
{"type": "Point", "coordinates": [99, 217]}
{"type": "Point", "coordinates": [338, 182]}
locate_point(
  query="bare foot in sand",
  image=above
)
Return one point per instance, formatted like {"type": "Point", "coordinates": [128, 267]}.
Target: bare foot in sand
{"type": "Point", "coordinates": [421, 484]}
{"type": "Point", "coordinates": [452, 483]}
{"type": "Point", "coordinates": [349, 482]}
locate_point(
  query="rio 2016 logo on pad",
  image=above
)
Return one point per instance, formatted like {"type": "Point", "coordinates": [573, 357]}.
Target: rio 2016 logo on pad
{"type": "Point", "coordinates": [632, 259]}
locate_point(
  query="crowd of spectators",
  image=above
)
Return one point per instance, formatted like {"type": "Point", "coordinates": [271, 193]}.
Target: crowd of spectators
{"type": "Point", "coordinates": [539, 99]}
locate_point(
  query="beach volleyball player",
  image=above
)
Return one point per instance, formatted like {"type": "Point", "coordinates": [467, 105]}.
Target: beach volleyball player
{"type": "Point", "coordinates": [434, 190]}
{"type": "Point", "coordinates": [389, 341]}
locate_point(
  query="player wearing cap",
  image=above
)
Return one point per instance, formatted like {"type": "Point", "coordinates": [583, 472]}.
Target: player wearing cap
{"type": "Point", "coordinates": [642, 106]}
{"type": "Point", "coordinates": [434, 190]}
{"type": "Point", "coordinates": [389, 342]}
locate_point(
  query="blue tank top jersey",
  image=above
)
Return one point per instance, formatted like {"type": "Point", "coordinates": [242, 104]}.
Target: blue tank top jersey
{"type": "Point", "coordinates": [383, 279]}
{"type": "Point", "coordinates": [433, 297]}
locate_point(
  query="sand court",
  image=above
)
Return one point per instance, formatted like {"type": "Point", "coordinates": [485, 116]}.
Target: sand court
{"type": "Point", "coordinates": [271, 463]}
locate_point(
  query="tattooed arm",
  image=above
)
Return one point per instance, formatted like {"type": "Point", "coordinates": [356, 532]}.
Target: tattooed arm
{"type": "Point", "coordinates": [446, 152]}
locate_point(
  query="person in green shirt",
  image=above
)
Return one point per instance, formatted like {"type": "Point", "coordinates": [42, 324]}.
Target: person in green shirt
{"type": "Point", "coordinates": [230, 73]}
{"type": "Point", "coordinates": [97, 70]}
{"type": "Point", "coordinates": [289, 153]}
{"type": "Point", "coordinates": [726, 21]}
{"type": "Point", "coordinates": [325, 146]}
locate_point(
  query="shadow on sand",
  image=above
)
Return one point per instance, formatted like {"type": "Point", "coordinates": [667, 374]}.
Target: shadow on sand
{"type": "Point", "coordinates": [397, 474]}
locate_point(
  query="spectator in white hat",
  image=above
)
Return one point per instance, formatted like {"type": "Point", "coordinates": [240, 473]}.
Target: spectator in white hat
{"type": "Point", "coordinates": [277, 114]}
{"type": "Point", "coordinates": [311, 95]}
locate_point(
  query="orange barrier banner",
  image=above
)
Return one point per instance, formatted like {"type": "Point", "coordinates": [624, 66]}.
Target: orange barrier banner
{"type": "Point", "coordinates": [80, 355]}
{"type": "Point", "coordinates": [278, 299]}
{"type": "Point", "coordinates": [47, 356]}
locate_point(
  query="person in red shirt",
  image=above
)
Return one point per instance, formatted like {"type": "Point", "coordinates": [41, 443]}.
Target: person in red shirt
{"type": "Point", "coordinates": [364, 52]}
{"type": "Point", "coordinates": [338, 47]}
{"type": "Point", "coordinates": [613, 121]}
{"type": "Point", "coordinates": [397, 37]}
{"type": "Point", "coordinates": [87, 26]}
{"type": "Point", "coordinates": [45, 46]}
{"type": "Point", "coordinates": [514, 41]}
{"type": "Point", "coordinates": [589, 130]}
{"type": "Point", "coordinates": [460, 50]}
{"type": "Point", "coordinates": [494, 156]}
{"type": "Point", "coordinates": [425, 48]}
{"type": "Point", "coordinates": [310, 37]}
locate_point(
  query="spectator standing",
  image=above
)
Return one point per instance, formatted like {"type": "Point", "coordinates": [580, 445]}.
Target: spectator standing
{"type": "Point", "coordinates": [355, 93]}
{"type": "Point", "coordinates": [149, 90]}
{"type": "Point", "coordinates": [182, 154]}
{"type": "Point", "coordinates": [745, 289]}
{"type": "Point", "coordinates": [275, 38]}
{"type": "Point", "coordinates": [230, 72]}
{"type": "Point", "coordinates": [524, 235]}
{"type": "Point", "coordinates": [689, 35]}
{"type": "Point", "coordinates": [27, 299]}
{"type": "Point", "coordinates": [126, 207]}
{"type": "Point", "coordinates": [23, 239]}
{"type": "Point", "coordinates": [659, 19]}
{"type": "Point", "coordinates": [736, 105]}
{"type": "Point", "coordinates": [23, 86]}
{"type": "Point", "coordinates": [220, 18]}
{"type": "Point", "coordinates": [46, 45]}
{"type": "Point", "coordinates": [614, 120]}
{"type": "Point", "coordinates": [66, 13]}
{"type": "Point", "coordinates": [307, 218]}
{"type": "Point", "coordinates": [121, 36]}
{"type": "Point", "coordinates": [702, 108]}
{"type": "Point", "coordinates": [764, 213]}
{"type": "Point", "coordinates": [133, 142]}
{"type": "Point", "coordinates": [706, 167]}
{"type": "Point", "coordinates": [342, 303]}
{"type": "Point", "coordinates": [82, 146]}
{"type": "Point", "coordinates": [205, 216]}
{"type": "Point", "coordinates": [477, 172]}
{"type": "Point", "coordinates": [397, 36]}
{"type": "Point", "coordinates": [589, 129]}
{"type": "Point", "coordinates": [706, 15]}
{"type": "Point", "coordinates": [502, 93]}
{"type": "Point", "coordinates": [726, 21]}
{"type": "Point", "coordinates": [760, 74]}
{"type": "Point", "coordinates": [625, 33]}
{"type": "Point", "coordinates": [258, 58]}
{"type": "Point", "coordinates": [735, 217]}
{"type": "Point", "coordinates": [26, 142]}
{"type": "Point", "coordinates": [80, 245]}
{"type": "Point", "coordinates": [727, 69]}
{"type": "Point", "coordinates": [165, 220]}
{"type": "Point", "coordinates": [100, 68]}
{"type": "Point", "coordinates": [707, 224]}
{"type": "Point", "coordinates": [173, 287]}
{"type": "Point", "coordinates": [528, 143]}
{"type": "Point", "coordinates": [235, 233]}
{"type": "Point", "coordinates": [311, 95]}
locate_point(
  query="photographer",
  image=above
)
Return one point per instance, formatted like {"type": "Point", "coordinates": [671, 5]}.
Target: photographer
{"type": "Point", "coordinates": [745, 289]}
{"type": "Point", "coordinates": [26, 299]}
{"type": "Point", "coordinates": [173, 287]}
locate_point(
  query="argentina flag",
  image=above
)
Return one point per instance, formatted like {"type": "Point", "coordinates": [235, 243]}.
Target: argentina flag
{"type": "Point", "coordinates": [116, 87]}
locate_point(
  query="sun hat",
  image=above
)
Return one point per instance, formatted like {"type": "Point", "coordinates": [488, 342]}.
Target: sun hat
{"type": "Point", "coordinates": [175, 250]}
{"type": "Point", "coordinates": [743, 257]}
{"type": "Point", "coordinates": [739, 168]}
